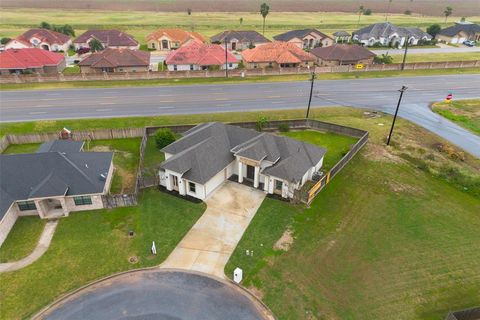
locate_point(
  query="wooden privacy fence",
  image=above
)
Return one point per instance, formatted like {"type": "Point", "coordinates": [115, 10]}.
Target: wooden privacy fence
{"type": "Point", "coordinates": [111, 201]}
{"type": "Point", "coordinates": [60, 77]}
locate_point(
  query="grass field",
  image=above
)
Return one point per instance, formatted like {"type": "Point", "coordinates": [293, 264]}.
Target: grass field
{"type": "Point", "coordinates": [141, 23]}
{"type": "Point", "coordinates": [22, 148]}
{"type": "Point", "coordinates": [90, 245]}
{"type": "Point", "coordinates": [152, 158]}
{"type": "Point", "coordinates": [194, 81]}
{"type": "Point", "coordinates": [434, 57]}
{"type": "Point", "coordinates": [465, 113]}
{"type": "Point", "coordinates": [376, 242]}
{"type": "Point", "coordinates": [22, 239]}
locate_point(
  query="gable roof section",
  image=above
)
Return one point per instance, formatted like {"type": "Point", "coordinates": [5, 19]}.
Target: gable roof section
{"type": "Point", "coordinates": [279, 52]}
{"type": "Point", "coordinates": [289, 35]}
{"type": "Point", "coordinates": [469, 28]}
{"type": "Point", "coordinates": [64, 146]}
{"type": "Point", "coordinates": [48, 174]}
{"type": "Point", "coordinates": [112, 57]}
{"type": "Point", "coordinates": [248, 36]}
{"type": "Point", "coordinates": [44, 35]}
{"type": "Point", "coordinates": [29, 58]}
{"type": "Point", "coordinates": [343, 52]}
{"type": "Point", "coordinates": [386, 29]}
{"type": "Point", "coordinates": [179, 35]}
{"type": "Point", "coordinates": [199, 53]}
{"type": "Point", "coordinates": [111, 37]}
{"type": "Point", "coordinates": [208, 148]}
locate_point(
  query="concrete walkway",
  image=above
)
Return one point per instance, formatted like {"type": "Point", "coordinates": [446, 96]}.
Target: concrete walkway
{"type": "Point", "coordinates": [41, 248]}
{"type": "Point", "coordinates": [209, 244]}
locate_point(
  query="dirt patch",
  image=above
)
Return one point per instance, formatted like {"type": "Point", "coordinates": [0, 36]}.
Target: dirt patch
{"type": "Point", "coordinates": [398, 187]}
{"type": "Point", "coordinates": [100, 149]}
{"type": "Point", "coordinates": [285, 242]}
{"type": "Point", "coordinates": [133, 259]}
{"type": "Point", "coordinates": [377, 152]}
{"type": "Point", "coordinates": [256, 292]}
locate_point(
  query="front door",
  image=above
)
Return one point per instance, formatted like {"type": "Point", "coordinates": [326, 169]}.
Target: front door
{"type": "Point", "coordinates": [234, 46]}
{"type": "Point", "coordinates": [250, 172]}
{"type": "Point", "coordinates": [165, 44]}
{"type": "Point", "coordinates": [175, 182]}
{"type": "Point", "coordinates": [278, 187]}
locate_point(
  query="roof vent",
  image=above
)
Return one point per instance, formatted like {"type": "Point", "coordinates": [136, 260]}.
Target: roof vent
{"type": "Point", "coordinates": [86, 165]}
{"type": "Point", "coordinates": [103, 176]}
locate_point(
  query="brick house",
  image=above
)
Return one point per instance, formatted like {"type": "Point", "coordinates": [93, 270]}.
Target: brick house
{"type": "Point", "coordinates": [116, 60]}
{"type": "Point", "coordinates": [108, 38]}
{"type": "Point", "coordinates": [31, 60]}
{"type": "Point", "coordinates": [305, 38]}
{"type": "Point", "coordinates": [41, 38]}
{"type": "Point", "coordinates": [171, 39]}
{"type": "Point", "coordinates": [239, 40]}
{"type": "Point", "coordinates": [343, 54]}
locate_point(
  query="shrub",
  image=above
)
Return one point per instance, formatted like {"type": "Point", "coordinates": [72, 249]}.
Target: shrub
{"type": "Point", "coordinates": [5, 40]}
{"type": "Point", "coordinates": [383, 59]}
{"type": "Point", "coordinates": [163, 137]}
{"type": "Point", "coordinates": [261, 123]}
{"type": "Point", "coordinates": [283, 127]}
{"type": "Point", "coordinates": [368, 12]}
{"type": "Point", "coordinates": [407, 12]}
{"type": "Point", "coordinates": [434, 29]}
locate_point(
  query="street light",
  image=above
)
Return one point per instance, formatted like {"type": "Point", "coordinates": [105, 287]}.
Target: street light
{"type": "Point", "coordinates": [405, 52]}
{"type": "Point", "coordinates": [396, 112]}
{"type": "Point", "coordinates": [226, 58]}
{"type": "Point", "coordinates": [311, 92]}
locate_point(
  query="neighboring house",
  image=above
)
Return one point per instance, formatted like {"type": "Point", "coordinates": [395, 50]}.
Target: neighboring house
{"type": "Point", "coordinates": [211, 153]}
{"type": "Point", "coordinates": [41, 38]}
{"type": "Point", "coordinates": [239, 40]}
{"type": "Point", "coordinates": [171, 39]}
{"type": "Point", "coordinates": [343, 54]}
{"type": "Point", "coordinates": [31, 60]}
{"type": "Point", "coordinates": [305, 38]}
{"type": "Point", "coordinates": [387, 34]}
{"type": "Point", "coordinates": [108, 38]}
{"type": "Point", "coordinates": [277, 54]}
{"type": "Point", "coordinates": [116, 60]}
{"type": "Point", "coordinates": [342, 36]}
{"type": "Point", "coordinates": [460, 32]}
{"type": "Point", "coordinates": [51, 183]}
{"type": "Point", "coordinates": [200, 56]}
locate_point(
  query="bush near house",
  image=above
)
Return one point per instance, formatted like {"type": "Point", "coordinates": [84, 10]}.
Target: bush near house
{"type": "Point", "coordinates": [163, 137]}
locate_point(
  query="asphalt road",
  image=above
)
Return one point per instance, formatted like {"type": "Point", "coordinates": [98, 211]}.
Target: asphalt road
{"type": "Point", "coordinates": [378, 94]}
{"type": "Point", "coordinates": [159, 295]}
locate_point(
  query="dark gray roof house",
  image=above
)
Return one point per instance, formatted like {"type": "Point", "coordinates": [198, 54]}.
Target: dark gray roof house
{"type": "Point", "coordinates": [207, 149]}
{"type": "Point", "coordinates": [239, 40]}
{"type": "Point", "coordinates": [289, 35]}
{"type": "Point", "coordinates": [460, 32]}
{"type": "Point", "coordinates": [384, 32]}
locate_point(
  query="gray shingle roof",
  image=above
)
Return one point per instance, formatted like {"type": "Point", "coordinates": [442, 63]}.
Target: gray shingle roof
{"type": "Point", "coordinates": [386, 29]}
{"type": "Point", "coordinates": [48, 174]}
{"type": "Point", "coordinates": [469, 28]}
{"type": "Point", "coordinates": [111, 37]}
{"type": "Point", "coordinates": [297, 34]}
{"type": "Point", "coordinates": [342, 52]}
{"type": "Point", "coordinates": [65, 146]}
{"type": "Point", "coordinates": [248, 36]}
{"type": "Point", "coordinates": [341, 33]}
{"type": "Point", "coordinates": [208, 148]}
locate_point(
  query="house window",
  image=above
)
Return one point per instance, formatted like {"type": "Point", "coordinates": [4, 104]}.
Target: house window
{"type": "Point", "coordinates": [153, 45]}
{"type": "Point", "coordinates": [82, 200]}
{"type": "Point", "coordinates": [191, 67]}
{"type": "Point", "coordinates": [26, 205]}
{"type": "Point", "coordinates": [230, 65]}
{"type": "Point", "coordinates": [174, 67]}
{"type": "Point", "coordinates": [278, 184]}
{"type": "Point", "coordinates": [192, 187]}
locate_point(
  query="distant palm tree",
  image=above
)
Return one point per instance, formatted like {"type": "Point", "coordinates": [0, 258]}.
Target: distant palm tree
{"type": "Point", "coordinates": [361, 9]}
{"type": "Point", "coordinates": [388, 10]}
{"type": "Point", "coordinates": [95, 45]}
{"type": "Point", "coordinates": [447, 12]}
{"type": "Point", "coordinates": [264, 9]}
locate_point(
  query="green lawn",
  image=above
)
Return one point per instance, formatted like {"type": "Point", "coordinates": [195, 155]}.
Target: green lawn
{"type": "Point", "coordinates": [436, 57]}
{"type": "Point", "coordinates": [22, 239]}
{"type": "Point", "coordinates": [465, 113]}
{"type": "Point", "coordinates": [337, 145]}
{"type": "Point", "coordinates": [388, 236]}
{"type": "Point", "coordinates": [152, 157]}
{"type": "Point", "coordinates": [195, 81]}
{"type": "Point", "coordinates": [90, 245]}
{"type": "Point", "coordinates": [22, 148]}
{"type": "Point", "coordinates": [125, 159]}
{"type": "Point", "coordinates": [71, 70]}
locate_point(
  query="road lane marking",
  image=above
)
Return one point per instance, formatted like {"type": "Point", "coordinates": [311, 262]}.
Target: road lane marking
{"type": "Point", "coordinates": [43, 106]}
{"type": "Point", "coordinates": [105, 103]}
{"type": "Point", "coordinates": [37, 112]}
{"type": "Point", "coordinates": [166, 101]}
{"type": "Point", "coordinates": [165, 107]}
{"type": "Point", "coordinates": [224, 105]}
{"type": "Point", "coordinates": [218, 93]}
{"type": "Point", "coordinates": [103, 110]}
{"type": "Point", "coordinates": [221, 99]}
{"type": "Point", "coordinates": [273, 97]}
{"type": "Point", "coordinates": [277, 102]}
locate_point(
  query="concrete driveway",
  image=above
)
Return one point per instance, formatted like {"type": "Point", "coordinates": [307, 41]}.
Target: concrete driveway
{"type": "Point", "coordinates": [208, 245]}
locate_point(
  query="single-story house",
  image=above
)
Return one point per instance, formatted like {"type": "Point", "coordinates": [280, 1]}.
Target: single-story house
{"type": "Point", "coordinates": [277, 54]}
{"type": "Point", "coordinates": [41, 38]}
{"type": "Point", "coordinates": [108, 38]}
{"type": "Point", "coordinates": [387, 34]}
{"type": "Point", "coordinates": [31, 60]}
{"type": "Point", "coordinates": [211, 153]}
{"type": "Point", "coordinates": [116, 60]}
{"type": "Point", "coordinates": [342, 36]}
{"type": "Point", "coordinates": [200, 56]}
{"type": "Point", "coordinates": [171, 39]}
{"type": "Point", "coordinates": [239, 40]}
{"type": "Point", "coordinates": [52, 182]}
{"type": "Point", "coordinates": [343, 54]}
{"type": "Point", "coordinates": [305, 38]}
{"type": "Point", "coordinates": [459, 32]}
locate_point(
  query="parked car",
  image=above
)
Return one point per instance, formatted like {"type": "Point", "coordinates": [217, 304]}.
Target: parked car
{"type": "Point", "coordinates": [83, 51]}
{"type": "Point", "coordinates": [469, 43]}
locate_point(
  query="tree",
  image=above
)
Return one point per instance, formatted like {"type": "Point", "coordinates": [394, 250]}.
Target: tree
{"type": "Point", "coordinates": [264, 9]}
{"type": "Point", "coordinates": [241, 20]}
{"type": "Point", "coordinates": [5, 40]}
{"type": "Point", "coordinates": [388, 10]}
{"type": "Point", "coordinates": [434, 29]}
{"type": "Point", "coordinates": [65, 29]}
{"type": "Point", "coordinates": [383, 59]}
{"type": "Point", "coordinates": [261, 123]}
{"type": "Point", "coordinates": [189, 11]}
{"type": "Point", "coordinates": [462, 19]}
{"type": "Point", "coordinates": [361, 9]}
{"type": "Point", "coordinates": [45, 25]}
{"type": "Point", "coordinates": [164, 137]}
{"type": "Point", "coordinates": [407, 12]}
{"type": "Point", "coordinates": [95, 45]}
{"type": "Point", "coordinates": [368, 12]}
{"type": "Point", "coordinates": [447, 13]}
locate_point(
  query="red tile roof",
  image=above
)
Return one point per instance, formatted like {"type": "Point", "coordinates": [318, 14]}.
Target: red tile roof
{"type": "Point", "coordinates": [113, 58]}
{"type": "Point", "coordinates": [279, 52]}
{"type": "Point", "coordinates": [343, 52]}
{"type": "Point", "coordinates": [44, 35]}
{"type": "Point", "coordinates": [179, 35]}
{"type": "Point", "coordinates": [29, 58]}
{"type": "Point", "coordinates": [112, 37]}
{"type": "Point", "coordinates": [198, 53]}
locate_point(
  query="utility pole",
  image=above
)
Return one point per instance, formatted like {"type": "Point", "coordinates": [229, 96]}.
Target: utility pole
{"type": "Point", "coordinates": [226, 59]}
{"type": "Point", "coordinates": [396, 112]}
{"type": "Point", "coordinates": [405, 53]}
{"type": "Point", "coordinates": [311, 92]}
